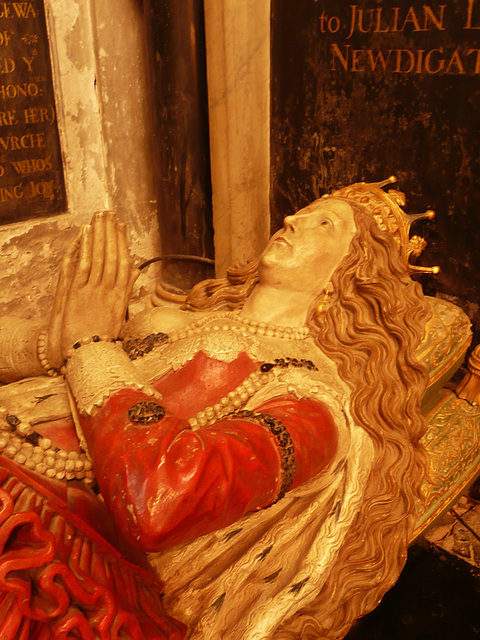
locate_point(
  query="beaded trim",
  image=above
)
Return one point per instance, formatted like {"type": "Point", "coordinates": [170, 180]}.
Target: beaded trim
{"type": "Point", "coordinates": [84, 341]}
{"type": "Point", "coordinates": [284, 441]}
{"type": "Point", "coordinates": [42, 354]}
{"type": "Point", "coordinates": [289, 362]}
{"type": "Point", "coordinates": [146, 412]}
{"type": "Point", "coordinates": [23, 445]}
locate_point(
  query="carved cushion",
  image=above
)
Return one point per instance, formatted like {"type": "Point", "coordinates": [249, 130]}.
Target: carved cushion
{"type": "Point", "coordinates": [447, 337]}
{"type": "Point", "coordinates": [452, 439]}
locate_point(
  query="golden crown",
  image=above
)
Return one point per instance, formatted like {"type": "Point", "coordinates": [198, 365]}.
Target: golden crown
{"type": "Point", "coordinates": [386, 209]}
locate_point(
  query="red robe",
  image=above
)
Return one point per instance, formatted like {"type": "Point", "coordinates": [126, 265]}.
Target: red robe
{"type": "Point", "coordinates": [164, 484]}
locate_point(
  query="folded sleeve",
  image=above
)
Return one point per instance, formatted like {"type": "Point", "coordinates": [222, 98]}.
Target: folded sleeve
{"type": "Point", "coordinates": [166, 483]}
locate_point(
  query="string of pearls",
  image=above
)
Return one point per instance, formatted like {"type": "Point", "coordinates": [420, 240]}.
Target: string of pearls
{"type": "Point", "coordinates": [22, 444]}
{"type": "Point", "coordinates": [42, 354]}
{"type": "Point", "coordinates": [237, 398]}
{"type": "Point", "coordinates": [241, 325]}
{"type": "Point", "coordinates": [233, 400]}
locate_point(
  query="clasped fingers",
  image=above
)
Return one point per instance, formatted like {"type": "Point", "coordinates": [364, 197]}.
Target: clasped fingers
{"type": "Point", "coordinates": [103, 256]}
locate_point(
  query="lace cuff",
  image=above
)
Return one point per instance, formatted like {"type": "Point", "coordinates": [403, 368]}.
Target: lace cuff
{"type": "Point", "coordinates": [97, 370]}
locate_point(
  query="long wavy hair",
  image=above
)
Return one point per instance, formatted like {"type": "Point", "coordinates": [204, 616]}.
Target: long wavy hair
{"type": "Point", "coordinates": [371, 330]}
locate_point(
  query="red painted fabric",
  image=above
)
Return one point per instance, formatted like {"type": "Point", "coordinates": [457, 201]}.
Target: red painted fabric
{"type": "Point", "coordinates": [56, 583]}
{"type": "Point", "coordinates": [166, 484]}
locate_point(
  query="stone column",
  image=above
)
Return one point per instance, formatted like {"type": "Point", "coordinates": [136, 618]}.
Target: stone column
{"type": "Point", "coordinates": [238, 71]}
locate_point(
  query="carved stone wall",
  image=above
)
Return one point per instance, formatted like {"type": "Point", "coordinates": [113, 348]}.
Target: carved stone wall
{"type": "Point", "coordinates": [99, 79]}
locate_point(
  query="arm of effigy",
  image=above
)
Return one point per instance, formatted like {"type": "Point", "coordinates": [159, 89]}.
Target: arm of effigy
{"type": "Point", "coordinates": [166, 483]}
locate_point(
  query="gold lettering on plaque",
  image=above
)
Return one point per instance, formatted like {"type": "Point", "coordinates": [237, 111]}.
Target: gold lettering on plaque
{"type": "Point", "coordinates": [364, 22]}
{"type": "Point", "coordinates": [404, 61]}
{"type": "Point", "coordinates": [31, 172]}
{"type": "Point", "coordinates": [382, 20]}
{"type": "Point", "coordinates": [469, 24]}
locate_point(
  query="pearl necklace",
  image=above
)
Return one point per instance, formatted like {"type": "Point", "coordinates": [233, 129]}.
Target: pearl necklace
{"type": "Point", "coordinates": [241, 324]}
{"type": "Point", "coordinates": [233, 400]}
{"type": "Point", "coordinates": [23, 445]}
{"type": "Point", "coordinates": [238, 397]}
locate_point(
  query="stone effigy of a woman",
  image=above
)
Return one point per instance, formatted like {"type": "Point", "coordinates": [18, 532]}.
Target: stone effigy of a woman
{"type": "Point", "coordinates": [261, 444]}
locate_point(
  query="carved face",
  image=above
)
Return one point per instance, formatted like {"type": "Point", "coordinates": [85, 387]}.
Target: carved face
{"type": "Point", "coordinates": [304, 254]}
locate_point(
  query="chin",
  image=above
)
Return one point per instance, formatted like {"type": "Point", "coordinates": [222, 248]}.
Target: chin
{"type": "Point", "coordinates": [273, 255]}
{"type": "Point", "coordinates": [268, 264]}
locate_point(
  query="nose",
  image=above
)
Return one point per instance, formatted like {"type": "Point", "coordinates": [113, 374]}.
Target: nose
{"type": "Point", "coordinates": [288, 223]}
{"type": "Point", "coordinates": [297, 222]}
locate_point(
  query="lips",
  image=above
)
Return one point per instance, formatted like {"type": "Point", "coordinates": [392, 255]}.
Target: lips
{"type": "Point", "coordinates": [283, 240]}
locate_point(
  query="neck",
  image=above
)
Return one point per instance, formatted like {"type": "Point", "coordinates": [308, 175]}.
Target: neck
{"type": "Point", "coordinates": [277, 306]}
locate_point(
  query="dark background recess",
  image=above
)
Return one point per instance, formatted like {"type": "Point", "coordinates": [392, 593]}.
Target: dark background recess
{"type": "Point", "coordinates": [331, 128]}
{"type": "Point", "coordinates": [176, 40]}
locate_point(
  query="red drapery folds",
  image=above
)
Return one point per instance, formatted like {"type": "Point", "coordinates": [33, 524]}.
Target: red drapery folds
{"type": "Point", "coordinates": [56, 583]}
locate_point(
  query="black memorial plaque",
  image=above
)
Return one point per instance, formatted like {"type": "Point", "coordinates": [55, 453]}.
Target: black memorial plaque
{"type": "Point", "coordinates": [31, 172]}
{"type": "Point", "coordinates": [362, 90]}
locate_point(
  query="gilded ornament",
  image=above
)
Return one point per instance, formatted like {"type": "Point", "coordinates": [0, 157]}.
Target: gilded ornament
{"type": "Point", "coordinates": [386, 207]}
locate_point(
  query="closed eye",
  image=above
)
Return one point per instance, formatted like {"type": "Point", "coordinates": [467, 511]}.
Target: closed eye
{"type": "Point", "coordinates": [326, 223]}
